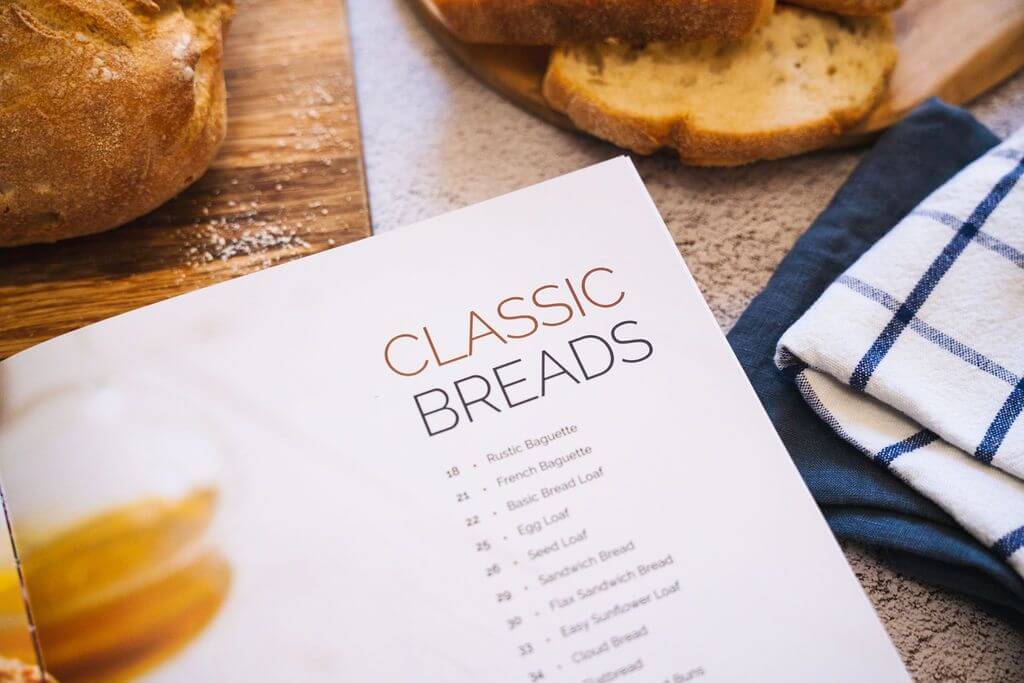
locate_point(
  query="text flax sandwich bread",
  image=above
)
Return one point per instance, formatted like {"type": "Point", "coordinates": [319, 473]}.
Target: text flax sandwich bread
{"type": "Point", "coordinates": [562, 22]}
{"type": "Point", "coordinates": [108, 108]}
{"type": "Point", "coordinates": [794, 85]}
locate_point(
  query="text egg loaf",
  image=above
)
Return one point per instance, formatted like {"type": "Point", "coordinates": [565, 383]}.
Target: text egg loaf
{"type": "Point", "coordinates": [794, 85]}
{"type": "Point", "coordinates": [108, 108]}
{"type": "Point", "coordinates": [561, 22]}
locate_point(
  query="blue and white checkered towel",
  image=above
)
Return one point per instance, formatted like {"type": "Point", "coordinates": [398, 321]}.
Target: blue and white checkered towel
{"type": "Point", "coordinates": [915, 355]}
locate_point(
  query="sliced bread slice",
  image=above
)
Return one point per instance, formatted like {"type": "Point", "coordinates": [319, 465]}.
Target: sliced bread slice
{"type": "Point", "coordinates": [564, 22]}
{"type": "Point", "coordinates": [852, 7]}
{"type": "Point", "coordinates": [794, 85]}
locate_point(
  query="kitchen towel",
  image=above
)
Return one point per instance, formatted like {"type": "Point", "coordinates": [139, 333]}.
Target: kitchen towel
{"type": "Point", "coordinates": [974, 219]}
{"type": "Point", "coordinates": [915, 354]}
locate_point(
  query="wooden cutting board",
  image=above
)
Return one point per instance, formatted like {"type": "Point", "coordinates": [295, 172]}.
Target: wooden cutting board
{"type": "Point", "coordinates": [953, 49]}
{"type": "Point", "coordinates": [288, 182]}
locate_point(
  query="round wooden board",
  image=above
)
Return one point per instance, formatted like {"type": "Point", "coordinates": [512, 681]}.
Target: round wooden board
{"type": "Point", "coordinates": [952, 49]}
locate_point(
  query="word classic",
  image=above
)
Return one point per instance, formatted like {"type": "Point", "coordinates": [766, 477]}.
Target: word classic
{"type": "Point", "coordinates": [517, 382]}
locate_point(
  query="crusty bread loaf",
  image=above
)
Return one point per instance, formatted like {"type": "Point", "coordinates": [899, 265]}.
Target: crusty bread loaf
{"type": "Point", "coordinates": [852, 7]}
{"type": "Point", "coordinates": [561, 22]}
{"type": "Point", "coordinates": [793, 86]}
{"type": "Point", "coordinates": [13, 671]}
{"type": "Point", "coordinates": [108, 108]}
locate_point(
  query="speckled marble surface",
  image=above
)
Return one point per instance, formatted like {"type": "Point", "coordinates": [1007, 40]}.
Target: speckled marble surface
{"type": "Point", "coordinates": [436, 140]}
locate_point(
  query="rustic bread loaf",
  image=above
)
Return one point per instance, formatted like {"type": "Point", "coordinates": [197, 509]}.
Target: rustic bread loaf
{"type": "Point", "coordinates": [795, 85]}
{"type": "Point", "coordinates": [852, 7]}
{"type": "Point", "coordinates": [560, 22]}
{"type": "Point", "coordinates": [108, 108]}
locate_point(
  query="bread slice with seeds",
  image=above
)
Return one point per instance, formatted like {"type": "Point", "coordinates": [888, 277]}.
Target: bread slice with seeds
{"type": "Point", "coordinates": [852, 7]}
{"type": "Point", "coordinates": [564, 22]}
{"type": "Point", "coordinates": [794, 85]}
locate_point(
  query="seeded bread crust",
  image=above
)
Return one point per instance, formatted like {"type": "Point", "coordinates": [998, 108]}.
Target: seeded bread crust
{"type": "Point", "coordinates": [852, 7]}
{"type": "Point", "coordinates": [564, 22]}
{"type": "Point", "coordinates": [108, 108]}
{"type": "Point", "coordinates": [580, 83]}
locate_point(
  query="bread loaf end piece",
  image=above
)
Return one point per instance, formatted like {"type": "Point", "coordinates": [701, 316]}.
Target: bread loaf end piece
{"type": "Point", "coordinates": [109, 108]}
{"type": "Point", "coordinates": [793, 86]}
{"type": "Point", "coordinates": [861, 8]}
{"type": "Point", "coordinates": [564, 22]}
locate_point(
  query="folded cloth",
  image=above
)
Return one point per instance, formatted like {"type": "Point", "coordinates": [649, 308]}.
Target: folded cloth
{"type": "Point", "coordinates": [861, 499]}
{"type": "Point", "coordinates": [915, 354]}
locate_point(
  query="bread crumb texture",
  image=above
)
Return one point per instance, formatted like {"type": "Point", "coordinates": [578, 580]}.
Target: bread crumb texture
{"type": "Point", "coordinates": [108, 108]}
{"type": "Point", "coordinates": [13, 671]}
{"type": "Point", "coordinates": [794, 85]}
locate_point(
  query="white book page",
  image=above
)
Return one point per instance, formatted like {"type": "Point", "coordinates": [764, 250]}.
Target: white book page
{"type": "Point", "coordinates": [611, 504]}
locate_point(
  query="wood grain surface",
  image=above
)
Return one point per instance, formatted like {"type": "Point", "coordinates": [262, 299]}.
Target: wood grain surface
{"type": "Point", "coordinates": [953, 49]}
{"type": "Point", "coordinates": [288, 182]}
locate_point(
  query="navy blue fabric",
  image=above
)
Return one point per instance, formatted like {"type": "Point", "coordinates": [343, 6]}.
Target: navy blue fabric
{"type": "Point", "coordinates": [860, 499]}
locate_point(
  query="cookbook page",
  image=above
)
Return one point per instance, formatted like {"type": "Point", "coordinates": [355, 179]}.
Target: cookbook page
{"type": "Point", "coordinates": [18, 655]}
{"type": "Point", "coordinates": [507, 444]}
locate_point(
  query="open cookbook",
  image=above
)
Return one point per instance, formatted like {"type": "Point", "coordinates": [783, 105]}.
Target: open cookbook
{"type": "Point", "coordinates": [507, 444]}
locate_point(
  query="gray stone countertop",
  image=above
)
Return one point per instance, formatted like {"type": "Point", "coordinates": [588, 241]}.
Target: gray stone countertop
{"type": "Point", "coordinates": [435, 139]}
